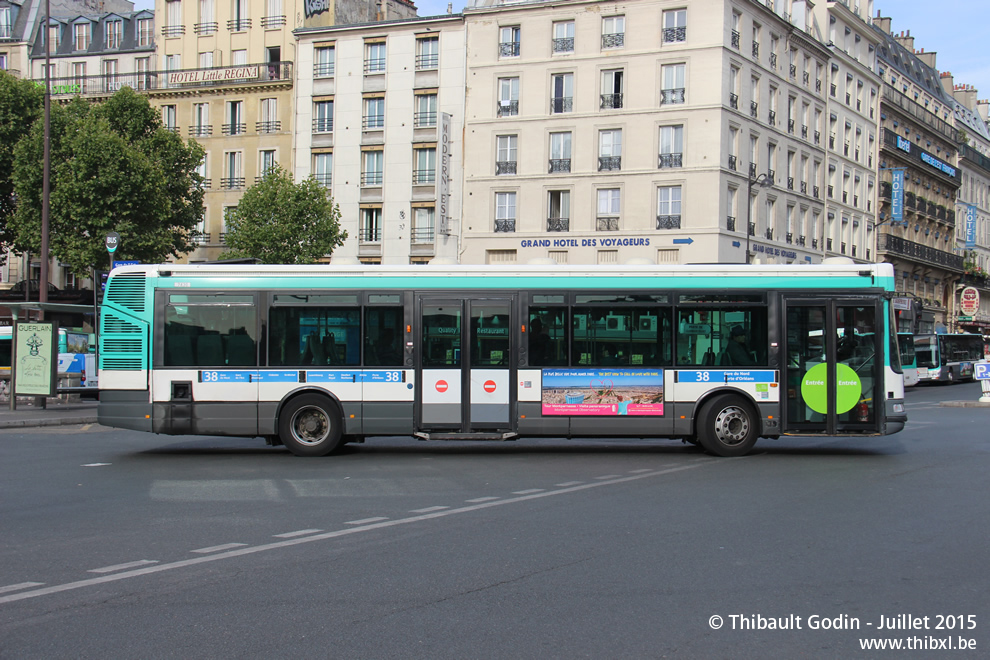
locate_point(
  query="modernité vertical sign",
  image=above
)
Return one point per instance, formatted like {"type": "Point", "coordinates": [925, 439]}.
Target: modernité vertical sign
{"type": "Point", "coordinates": [443, 176]}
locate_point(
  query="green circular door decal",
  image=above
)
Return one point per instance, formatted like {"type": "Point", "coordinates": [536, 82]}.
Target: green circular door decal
{"type": "Point", "coordinates": [814, 388]}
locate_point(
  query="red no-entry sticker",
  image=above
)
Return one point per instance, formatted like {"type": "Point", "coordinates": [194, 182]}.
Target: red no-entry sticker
{"type": "Point", "coordinates": [489, 386]}
{"type": "Point", "coordinates": [441, 386]}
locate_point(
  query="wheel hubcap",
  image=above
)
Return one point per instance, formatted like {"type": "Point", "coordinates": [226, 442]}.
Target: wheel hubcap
{"type": "Point", "coordinates": [732, 426]}
{"type": "Point", "coordinates": [310, 425]}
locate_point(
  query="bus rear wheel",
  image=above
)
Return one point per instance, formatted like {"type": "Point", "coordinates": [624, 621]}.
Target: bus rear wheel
{"type": "Point", "coordinates": [311, 425]}
{"type": "Point", "coordinates": [726, 426]}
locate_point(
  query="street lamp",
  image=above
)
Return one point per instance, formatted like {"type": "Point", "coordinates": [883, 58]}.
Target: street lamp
{"type": "Point", "coordinates": [764, 181]}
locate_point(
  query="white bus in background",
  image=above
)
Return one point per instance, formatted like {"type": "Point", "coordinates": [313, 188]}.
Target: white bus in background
{"type": "Point", "coordinates": [909, 360]}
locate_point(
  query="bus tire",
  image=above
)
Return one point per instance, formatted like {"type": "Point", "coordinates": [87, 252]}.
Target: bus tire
{"type": "Point", "coordinates": [727, 426]}
{"type": "Point", "coordinates": [311, 425]}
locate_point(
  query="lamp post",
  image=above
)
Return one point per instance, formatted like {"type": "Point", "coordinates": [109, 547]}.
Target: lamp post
{"type": "Point", "coordinates": [764, 181]}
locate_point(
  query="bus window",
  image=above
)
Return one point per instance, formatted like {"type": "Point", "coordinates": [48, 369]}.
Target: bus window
{"type": "Point", "coordinates": [621, 336]}
{"type": "Point", "coordinates": [441, 335]}
{"type": "Point", "coordinates": [314, 335]}
{"type": "Point", "coordinates": [208, 330]}
{"type": "Point", "coordinates": [383, 336]}
{"type": "Point", "coordinates": [547, 336]}
{"type": "Point", "coordinates": [489, 334]}
{"type": "Point", "coordinates": [725, 337]}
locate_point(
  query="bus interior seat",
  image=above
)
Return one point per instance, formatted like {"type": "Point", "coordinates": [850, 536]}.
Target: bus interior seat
{"type": "Point", "coordinates": [179, 351]}
{"type": "Point", "coordinates": [240, 350]}
{"type": "Point", "coordinates": [709, 358]}
{"type": "Point", "coordinates": [724, 360]}
{"type": "Point", "coordinates": [209, 350]}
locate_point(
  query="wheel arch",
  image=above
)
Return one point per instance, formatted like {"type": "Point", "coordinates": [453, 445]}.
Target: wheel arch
{"type": "Point", "coordinates": [301, 391]}
{"type": "Point", "coordinates": [754, 407]}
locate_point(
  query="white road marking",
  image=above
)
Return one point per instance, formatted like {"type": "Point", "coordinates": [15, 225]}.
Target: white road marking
{"type": "Point", "coordinates": [95, 464]}
{"type": "Point", "coordinates": [292, 535]}
{"type": "Point", "coordinates": [607, 476]}
{"type": "Point", "coordinates": [640, 471]}
{"type": "Point", "coordinates": [240, 552]}
{"type": "Point", "coordinates": [123, 567]}
{"type": "Point", "coordinates": [430, 509]}
{"type": "Point", "coordinates": [527, 492]}
{"type": "Point", "coordinates": [482, 499]}
{"type": "Point", "coordinates": [218, 548]}
{"type": "Point", "coordinates": [567, 484]}
{"type": "Point", "coordinates": [18, 587]}
{"type": "Point", "coordinates": [366, 521]}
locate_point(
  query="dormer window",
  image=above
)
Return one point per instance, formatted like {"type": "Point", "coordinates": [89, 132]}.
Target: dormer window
{"type": "Point", "coordinates": [80, 32]}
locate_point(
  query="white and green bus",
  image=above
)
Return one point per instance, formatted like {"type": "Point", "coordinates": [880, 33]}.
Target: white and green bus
{"type": "Point", "coordinates": [312, 357]}
{"type": "Point", "coordinates": [945, 358]}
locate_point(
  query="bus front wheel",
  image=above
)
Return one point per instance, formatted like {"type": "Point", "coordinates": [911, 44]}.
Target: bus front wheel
{"type": "Point", "coordinates": [311, 425]}
{"type": "Point", "coordinates": [726, 426]}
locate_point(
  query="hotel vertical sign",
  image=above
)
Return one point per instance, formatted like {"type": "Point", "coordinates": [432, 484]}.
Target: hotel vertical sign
{"type": "Point", "coordinates": [443, 176]}
{"type": "Point", "coordinates": [897, 196]}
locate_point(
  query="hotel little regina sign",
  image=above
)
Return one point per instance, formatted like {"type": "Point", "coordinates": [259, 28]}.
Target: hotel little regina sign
{"type": "Point", "coordinates": [212, 75]}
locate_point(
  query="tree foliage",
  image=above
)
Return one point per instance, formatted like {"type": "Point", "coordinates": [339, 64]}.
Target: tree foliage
{"type": "Point", "coordinates": [21, 103]}
{"type": "Point", "coordinates": [113, 168]}
{"type": "Point", "coordinates": [278, 221]}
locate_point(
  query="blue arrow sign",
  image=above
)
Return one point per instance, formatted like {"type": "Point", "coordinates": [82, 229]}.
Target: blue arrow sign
{"type": "Point", "coordinates": [736, 244]}
{"type": "Point", "coordinates": [683, 240]}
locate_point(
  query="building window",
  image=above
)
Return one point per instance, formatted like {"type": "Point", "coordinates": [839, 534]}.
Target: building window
{"type": "Point", "coordinates": [110, 71]}
{"type": "Point", "coordinates": [673, 84]}
{"type": "Point", "coordinates": [54, 38]}
{"type": "Point", "coordinates": [425, 171]}
{"type": "Point", "coordinates": [559, 211]}
{"type": "Point", "coordinates": [79, 76]}
{"type": "Point", "coordinates": [207, 19]}
{"type": "Point", "coordinates": [374, 61]}
{"type": "Point", "coordinates": [274, 15]}
{"type": "Point", "coordinates": [371, 226]}
{"type": "Point", "coordinates": [169, 118]}
{"type": "Point", "coordinates": [423, 229]}
{"type": "Point", "coordinates": [233, 163]}
{"type": "Point", "coordinates": [671, 146]}
{"type": "Point", "coordinates": [206, 59]}
{"type": "Point", "coordinates": [201, 121]}
{"type": "Point", "coordinates": [323, 117]}
{"type": "Point", "coordinates": [562, 90]}
{"type": "Point", "coordinates": [611, 89]}
{"type": "Point", "coordinates": [372, 168]}
{"type": "Point", "coordinates": [143, 67]}
{"type": "Point", "coordinates": [238, 57]}
{"type": "Point", "coordinates": [610, 150]}
{"type": "Point", "coordinates": [374, 114]}
{"type": "Point", "coordinates": [322, 168]}
{"type": "Point", "coordinates": [269, 117]}
{"type": "Point", "coordinates": [508, 97]}
{"type": "Point", "coordinates": [115, 31]}
{"type": "Point", "coordinates": [674, 26]}
{"type": "Point", "coordinates": [6, 25]}
{"type": "Point", "coordinates": [323, 64]}
{"type": "Point", "coordinates": [613, 31]}
{"type": "Point", "coordinates": [505, 212]}
{"type": "Point", "coordinates": [235, 119]}
{"type": "Point", "coordinates": [560, 152]}
{"type": "Point", "coordinates": [174, 26]}
{"type": "Point", "coordinates": [608, 209]}
{"type": "Point", "coordinates": [239, 16]}
{"type": "Point", "coordinates": [426, 111]}
{"type": "Point", "coordinates": [508, 41]}
{"type": "Point", "coordinates": [505, 158]}
{"type": "Point", "coordinates": [563, 37]}
{"type": "Point", "coordinates": [669, 207]}
{"type": "Point", "coordinates": [428, 53]}
{"type": "Point", "coordinates": [266, 161]}
{"type": "Point", "coordinates": [80, 36]}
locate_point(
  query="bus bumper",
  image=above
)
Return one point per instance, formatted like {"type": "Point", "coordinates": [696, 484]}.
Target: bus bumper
{"type": "Point", "coordinates": [895, 415]}
{"type": "Point", "coordinates": [125, 409]}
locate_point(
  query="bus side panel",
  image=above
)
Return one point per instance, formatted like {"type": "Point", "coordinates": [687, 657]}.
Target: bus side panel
{"type": "Point", "coordinates": [125, 409]}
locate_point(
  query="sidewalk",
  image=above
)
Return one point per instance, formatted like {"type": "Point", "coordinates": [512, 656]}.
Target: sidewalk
{"type": "Point", "coordinates": [57, 413]}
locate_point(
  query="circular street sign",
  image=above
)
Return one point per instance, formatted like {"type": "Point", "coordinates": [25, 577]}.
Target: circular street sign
{"type": "Point", "coordinates": [112, 242]}
{"type": "Point", "coordinates": [489, 386]}
{"type": "Point", "coordinates": [441, 386]}
{"type": "Point", "coordinates": [969, 301]}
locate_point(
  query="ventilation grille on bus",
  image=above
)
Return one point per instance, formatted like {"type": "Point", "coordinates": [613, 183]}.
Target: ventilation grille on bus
{"type": "Point", "coordinates": [123, 343]}
{"type": "Point", "coordinates": [127, 290]}
{"type": "Point", "coordinates": [113, 324]}
{"type": "Point", "coordinates": [120, 364]}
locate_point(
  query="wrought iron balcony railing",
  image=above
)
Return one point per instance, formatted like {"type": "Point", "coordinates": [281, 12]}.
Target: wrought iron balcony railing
{"type": "Point", "coordinates": [508, 49]}
{"type": "Point", "coordinates": [563, 45]}
{"type": "Point", "coordinates": [732, 162]}
{"type": "Point", "coordinates": [268, 126]}
{"type": "Point", "coordinates": [609, 163]}
{"type": "Point", "coordinates": [239, 25]}
{"type": "Point", "coordinates": [371, 178]}
{"type": "Point", "coordinates": [427, 62]}
{"type": "Point", "coordinates": [674, 34]}
{"type": "Point", "coordinates": [424, 177]}
{"type": "Point", "coordinates": [505, 225]}
{"type": "Point", "coordinates": [370, 234]}
{"type": "Point", "coordinates": [734, 39]}
{"type": "Point", "coordinates": [613, 40]}
{"type": "Point", "coordinates": [730, 222]}
{"type": "Point", "coordinates": [611, 101]}
{"type": "Point", "coordinates": [670, 160]}
{"type": "Point", "coordinates": [323, 178]}
{"type": "Point", "coordinates": [559, 104]}
{"type": "Point", "coordinates": [507, 108]}
{"type": "Point", "coordinates": [271, 22]}
{"type": "Point", "coordinates": [559, 165]}
{"type": "Point", "coordinates": [424, 120]}
{"type": "Point", "coordinates": [558, 224]}
{"type": "Point", "coordinates": [505, 167]}
{"type": "Point", "coordinates": [233, 129]}
{"type": "Point", "coordinates": [668, 222]}
{"type": "Point", "coordinates": [323, 69]}
{"type": "Point", "coordinates": [202, 130]}
{"type": "Point", "coordinates": [607, 224]}
{"type": "Point", "coordinates": [323, 125]}
{"type": "Point", "coordinates": [672, 96]}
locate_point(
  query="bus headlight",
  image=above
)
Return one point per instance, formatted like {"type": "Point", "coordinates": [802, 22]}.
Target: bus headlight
{"type": "Point", "coordinates": [898, 407]}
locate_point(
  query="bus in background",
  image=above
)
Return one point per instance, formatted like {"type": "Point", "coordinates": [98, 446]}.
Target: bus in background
{"type": "Point", "coordinates": [944, 358]}
{"type": "Point", "coordinates": [312, 357]}
{"type": "Point", "coordinates": [909, 360]}
{"type": "Point", "coordinates": [75, 355]}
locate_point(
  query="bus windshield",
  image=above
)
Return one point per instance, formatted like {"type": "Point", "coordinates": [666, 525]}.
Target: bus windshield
{"type": "Point", "coordinates": [906, 349]}
{"type": "Point", "coordinates": [926, 351]}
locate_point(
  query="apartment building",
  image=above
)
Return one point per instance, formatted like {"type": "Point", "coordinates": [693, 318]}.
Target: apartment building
{"type": "Point", "coordinates": [227, 81]}
{"type": "Point", "coordinates": [379, 117]}
{"type": "Point", "coordinates": [851, 128]}
{"type": "Point", "coordinates": [920, 178]}
{"type": "Point", "coordinates": [604, 133]}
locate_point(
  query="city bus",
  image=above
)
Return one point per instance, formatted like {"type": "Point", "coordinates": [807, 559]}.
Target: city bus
{"type": "Point", "coordinates": [312, 357]}
{"type": "Point", "coordinates": [909, 359]}
{"type": "Point", "coordinates": [945, 358]}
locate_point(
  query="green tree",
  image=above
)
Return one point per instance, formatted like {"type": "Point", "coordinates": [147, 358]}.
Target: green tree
{"type": "Point", "coordinates": [113, 168]}
{"type": "Point", "coordinates": [281, 222]}
{"type": "Point", "coordinates": [21, 103]}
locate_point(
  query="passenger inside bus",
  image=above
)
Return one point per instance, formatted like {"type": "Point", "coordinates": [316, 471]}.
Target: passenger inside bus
{"type": "Point", "coordinates": [737, 352]}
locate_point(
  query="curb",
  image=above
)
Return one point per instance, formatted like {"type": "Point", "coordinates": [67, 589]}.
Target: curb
{"type": "Point", "coordinates": [50, 421]}
{"type": "Point", "coordinates": [963, 404]}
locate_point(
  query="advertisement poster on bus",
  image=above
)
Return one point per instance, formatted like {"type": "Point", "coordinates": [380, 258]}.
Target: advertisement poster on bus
{"type": "Point", "coordinates": [602, 392]}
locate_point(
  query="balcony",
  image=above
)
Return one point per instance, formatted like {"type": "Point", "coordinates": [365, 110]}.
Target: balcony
{"type": "Point", "coordinates": [239, 25]}
{"type": "Point", "coordinates": [818, 85]}
{"type": "Point", "coordinates": [173, 30]}
{"type": "Point", "coordinates": [559, 104]}
{"type": "Point", "coordinates": [272, 22]}
{"type": "Point", "coordinates": [232, 183]}
{"type": "Point", "coordinates": [672, 96]}
{"type": "Point", "coordinates": [323, 69]}
{"type": "Point", "coordinates": [323, 178]}
{"type": "Point", "coordinates": [200, 131]}
{"type": "Point", "coordinates": [788, 237]}
{"type": "Point", "coordinates": [670, 160]}
{"type": "Point", "coordinates": [790, 126]}
{"type": "Point", "coordinates": [611, 102]}
{"type": "Point", "coordinates": [371, 179]}
{"type": "Point", "coordinates": [815, 191]}
{"type": "Point", "coordinates": [773, 60]}
{"type": "Point", "coordinates": [772, 118]}
{"type": "Point", "coordinates": [200, 238]}
{"type": "Point", "coordinates": [790, 183]}
{"type": "Point", "coordinates": [668, 222]}
{"type": "Point", "coordinates": [424, 120]}
{"type": "Point", "coordinates": [804, 132]}
{"type": "Point", "coordinates": [804, 187]}
{"type": "Point", "coordinates": [370, 234]}
{"type": "Point", "coordinates": [508, 49]}
{"type": "Point", "coordinates": [427, 62]}
{"type": "Point", "coordinates": [769, 233]}
{"type": "Point", "coordinates": [754, 109]}
{"type": "Point", "coordinates": [424, 177]}
{"type": "Point", "coordinates": [734, 39]}
{"type": "Point", "coordinates": [751, 229]}
{"type": "Point", "coordinates": [373, 123]}
{"type": "Point", "coordinates": [505, 225]}
{"type": "Point", "coordinates": [558, 224]}
{"type": "Point", "coordinates": [422, 235]}
{"type": "Point", "coordinates": [752, 170]}
{"type": "Point", "coordinates": [772, 176]}
{"type": "Point", "coordinates": [806, 78]}
{"type": "Point", "coordinates": [756, 49]}
{"type": "Point", "coordinates": [818, 137]}
{"type": "Point", "coordinates": [730, 222]}
{"type": "Point", "coordinates": [609, 163]}
{"type": "Point", "coordinates": [607, 224]}
{"type": "Point", "coordinates": [814, 244]}
{"type": "Point", "coordinates": [205, 29]}
{"type": "Point", "coordinates": [558, 165]}
{"type": "Point", "coordinates": [614, 40]}
{"type": "Point", "coordinates": [828, 244]}
{"type": "Point", "coordinates": [233, 129]}
{"type": "Point", "coordinates": [563, 45]}
{"type": "Point", "coordinates": [268, 126]}
{"type": "Point", "coordinates": [734, 101]}
{"type": "Point", "coordinates": [801, 240]}
{"type": "Point", "coordinates": [507, 108]}
{"type": "Point", "coordinates": [885, 190]}
{"type": "Point", "coordinates": [674, 34]}
{"type": "Point", "coordinates": [793, 71]}
{"type": "Point", "coordinates": [374, 65]}
{"type": "Point", "coordinates": [732, 163]}
{"type": "Point", "coordinates": [323, 125]}
{"type": "Point", "coordinates": [505, 167]}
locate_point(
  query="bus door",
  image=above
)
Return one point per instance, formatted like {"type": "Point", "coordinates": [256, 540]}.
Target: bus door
{"type": "Point", "coordinates": [464, 364]}
{"type": "Point", "coordinates": [833, 365]}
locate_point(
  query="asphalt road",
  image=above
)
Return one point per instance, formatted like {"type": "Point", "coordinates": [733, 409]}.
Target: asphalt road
{"type": "Point", "coordinates": [122, 545]}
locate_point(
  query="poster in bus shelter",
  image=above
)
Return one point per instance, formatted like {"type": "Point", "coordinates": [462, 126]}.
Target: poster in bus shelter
{"type": "Point", "coordinates": [35, 359]}
{"type": "Point", "coordinates": [602, 392]}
